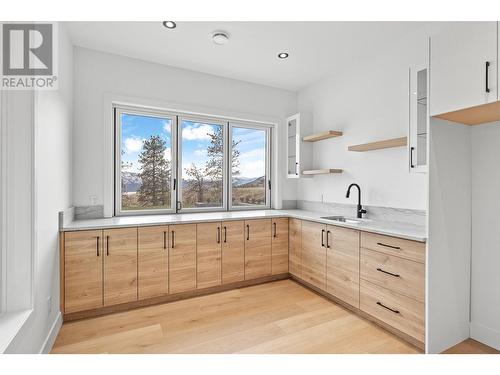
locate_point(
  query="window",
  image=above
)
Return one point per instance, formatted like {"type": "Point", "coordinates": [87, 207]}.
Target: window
{"type": "Point", "coordinates": [167, 162]}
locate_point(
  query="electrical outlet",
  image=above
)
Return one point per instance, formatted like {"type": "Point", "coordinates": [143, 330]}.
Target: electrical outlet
{"type": "Point", "coordinates": [49, 304]}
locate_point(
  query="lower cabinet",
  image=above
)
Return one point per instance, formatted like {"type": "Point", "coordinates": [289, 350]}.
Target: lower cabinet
{"type": "Point", "coordinates": [182, 258]}
{"type": "Point", "coordinates": [153, 248]}
{"type": "Point", "coordinates": [233, 251]}
{"type": "Point", "coordinates": [83, 272]}
{"type": "Point", "coordinates": [342, 264]}
{"type": "Point", "coordinates": [279, 246]}
{"type": "Point", "coordinates": [257, 248]}
{"type": "Point", "coordinates": [295, 247]}
{"type": "Point", "coordinates": [208, 255]}
{"type": "Point", "coordinates": [314, 254]}
{"type": "Point", "coordinates": [120, 265]}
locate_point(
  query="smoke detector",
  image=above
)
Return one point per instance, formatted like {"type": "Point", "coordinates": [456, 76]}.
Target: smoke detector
{"type": "Point", "coordinates": [220, 37]}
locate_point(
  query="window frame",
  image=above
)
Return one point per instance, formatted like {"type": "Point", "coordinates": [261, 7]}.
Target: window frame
{"type": "Point", "coordinates": [268, 130]}
{"type": "Point", "coordinates": [118, 111]}
{"type": "Point", "coordinates": [209, 121]}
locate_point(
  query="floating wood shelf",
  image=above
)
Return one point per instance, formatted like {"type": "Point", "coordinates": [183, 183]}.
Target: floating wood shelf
{"type": "Point", "coordinates": [387, 143]}
{"type": "Point", "coordinates": [322, 135]}
{"type": "Point", "coordinates": [321, 171]}
{"type": "Point", "coordinates": [480, 114]}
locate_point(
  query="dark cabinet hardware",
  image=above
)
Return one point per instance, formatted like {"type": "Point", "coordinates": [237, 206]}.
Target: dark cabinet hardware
{"type": "Point", "coordinates": [173, 239]}
{"type": "Point", "coordinates": [487, 76]}
{"type": "Point", "coordinates": [225, 234]}
{"type": "Point", "coordinates": [274, 229]}
{"type": "Point", "coordinates": [322, 238]}
{"type": "Point", "coordinates": [411, 157]}
{"type": "Point", "coordinates": [107, 245]}
{"type": "Point", "coordinates": [389, 273]}
{"type": "Point", "coordinates": [97, 245]}
{"type": "Point", "coordinates": [164, 240]}
{"type": "Point", "coordinates": [297, 169]}
{"type": "Point", "coordinates": [390, 246]}
{"type": "Point", "coordinates": [328, 239]}
{"type": "Point", "coordinates": [388, 308]}
{"type": "Point", "coordinates": [248, 232]}
{"type": "Point", "coordinates": [218, 234]}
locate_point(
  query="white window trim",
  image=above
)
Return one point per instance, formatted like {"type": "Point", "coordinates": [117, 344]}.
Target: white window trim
{"type": "Point", "coordinates": [118, 111]}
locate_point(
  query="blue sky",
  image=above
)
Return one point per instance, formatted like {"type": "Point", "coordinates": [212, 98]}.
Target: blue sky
{"type": "Point", "coordinates": [195, 140]}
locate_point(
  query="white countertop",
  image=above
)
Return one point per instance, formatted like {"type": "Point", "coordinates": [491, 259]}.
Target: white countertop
{"type": "Point", "coordinates": [402, 230]}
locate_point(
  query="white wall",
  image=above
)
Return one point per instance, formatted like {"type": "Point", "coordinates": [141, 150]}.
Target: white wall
{"type": "Point", "coordinates": [53, 133]}
{"type": "Point", "coordinates": [100, 75]}
{"type": "Point", "coordinates": [485, 285]}
{"type": "Point", "coordinates": [449, 235]}
{"type": "Point", "coordinates": [368, 102]}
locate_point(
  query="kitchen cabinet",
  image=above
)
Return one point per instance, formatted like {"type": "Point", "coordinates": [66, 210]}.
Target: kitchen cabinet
{"type": "Point", "coordinates": [152, 261]}
{"type": "Point", "coordinates": [279, 246]}
{"type": "Point", "coordinates": [314, 254]}
{"type": "Point", "coordinates": [419, 109]}
{"type": "Point", "coordinates": [83, 272]}
{"type": "Point", "coordinates": [182, 258]}
{"type": "Point", "coordinates": [299, 153]}
{"type": "Point", "coordinates": [464, 71]}
{"type": "Point", "coordinates": [295, 247]}
{"type": "Point", "coordinates": [120, 265]}
{"type": "Point", "coordinates": [257, 248]}
{"type": "Point", "coordinates": [343, 264]}
{"type": "Point", "coordinates": [233, 251]}
{"type": "Point", "coordinates": [208, 255]}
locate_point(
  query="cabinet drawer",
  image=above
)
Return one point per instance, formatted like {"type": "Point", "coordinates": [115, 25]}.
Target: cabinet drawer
{"type": "Point", "coordinates": [407, 249]}
{"type": "Point", "coordinates": [400, 312]}
{"type": "Point", "coordinates": [399, 275]}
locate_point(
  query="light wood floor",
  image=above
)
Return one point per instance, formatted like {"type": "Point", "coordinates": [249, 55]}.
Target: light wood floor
{"type": "Point", "coordinates": [277, 317]}
{"type": "Point", "coordinates": [471, 346]}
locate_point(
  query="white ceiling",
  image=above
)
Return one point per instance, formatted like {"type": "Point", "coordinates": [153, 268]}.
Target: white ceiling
{"type": "Point", "coordinates": [316, 49]}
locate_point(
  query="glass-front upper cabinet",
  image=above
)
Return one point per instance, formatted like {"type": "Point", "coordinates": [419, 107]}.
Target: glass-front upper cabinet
{"type": "Point", "coordinates": [418, 116]}
{"type": "Point", "coordinates": [299, 153]}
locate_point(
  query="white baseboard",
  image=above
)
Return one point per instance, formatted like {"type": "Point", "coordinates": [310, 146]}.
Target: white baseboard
{"type": "Point", "coordinates": [52, 335]}
{"type": "Point", "coordinates": [486, 335]}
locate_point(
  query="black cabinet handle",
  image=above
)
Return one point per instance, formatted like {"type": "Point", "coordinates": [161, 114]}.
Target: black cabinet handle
{"type": "Point", "coordinates": [97, 245]}
{"type": "Point", "coordinates": [389, 273]}
{"type": "Point", "coordinates": [173, 239]}
{"type": "Point", "coordinates": [225, 234]}
{"type": "Point", "coordinates": [248, 232]}
{"type": "Point", "coordinates": [487, 76]}
{"type": "Point", "coordinates": [164, 240]}
{"type": "Point", "coordinates": [411, 157]}
{"type": "Point", "coordinates": [274, 229]}
{"type": "Point", "coordinates": [390, 246]}
{"type": "Point", "coordinates": [218, 234]}
{"type": "Point", "coordinates": [296, 168]}
{"type": "Point", "coordinates": [107, 245]}
{"type": "Point", "coordinates": [322, 238]}
{"type": "Point", "coordinates": [388, 308]}
{"type": "Point", "coordinates": [328, 239]}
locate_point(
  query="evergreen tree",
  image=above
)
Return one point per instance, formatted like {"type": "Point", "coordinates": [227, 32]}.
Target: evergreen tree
{"type": "Point", "coordinates": [215, 150]}
{"type": "Point", "coordinates": [155, 173]}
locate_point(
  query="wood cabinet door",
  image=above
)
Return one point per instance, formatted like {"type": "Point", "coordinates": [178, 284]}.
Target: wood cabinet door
{"type": "Point", "coordinates": [233, 251]}
{"type": "Point", "coordinates": [343, 264]}
{"type": "Point", "coordinates": [152, 261]}
{"type": "Point", "coordinates": [295, 247]}
{"type": "Point", "coordinates": [83, 270]}
{"type": "Point", "coordinates": [208, 255]}
{"type": "Point", "coordinates": [257, 248]}
{"type": "Point", "coordinates": [279, 246]}
{"type": "Point", "coordinates": [120, 265]}
{"type": "Point", "coordinates": [182, 258]}
{"type": "Point", "coordinates": [459, 54]}
{"type": "Point", "coordinates": [314, 254]}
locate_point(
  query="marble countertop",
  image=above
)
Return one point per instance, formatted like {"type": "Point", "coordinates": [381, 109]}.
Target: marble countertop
{"type": "Point", "coordinates": [396, 229]}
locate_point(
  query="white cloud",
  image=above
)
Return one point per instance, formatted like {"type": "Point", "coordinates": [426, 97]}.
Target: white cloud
{"type": "Point", "coordinates": [133, 145]}
{"type": "Point", "coordinates": [167, 126]}
{"type": "Point", "coordinates": [167, 154]}
{"type": "Point", "coordinates": [200, 152]}
{"type": "Point", "coordinates": [257, 152]}
{"type": "Point", "coordinates": [252, 168]}
{"type": "Point", "coordinates": [197, 132]}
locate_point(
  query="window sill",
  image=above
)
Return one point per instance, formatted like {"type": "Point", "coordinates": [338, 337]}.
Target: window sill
{"type": "Point", "coordinates": [11, 323]}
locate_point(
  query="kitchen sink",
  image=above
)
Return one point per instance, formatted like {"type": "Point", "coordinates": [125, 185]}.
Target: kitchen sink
{"type": "Point", "coordinates": [343, 219]}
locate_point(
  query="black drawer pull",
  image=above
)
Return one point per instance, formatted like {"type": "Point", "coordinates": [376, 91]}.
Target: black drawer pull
{"type": "Point", "coordinates": [392, 247]}
{"type": "Point", "coordinates": [487, 76]}
{"type": "Point", "coordinates": [389, 273]}
{"type": "Point", "coordinates": [225, 234]}
{"type": "Point", "coordinates": [388, 308]}
{"type": "Point", "coordinates": [97, 244]}
{"type": "Point", "coordinates": [107, 245]}
{"type": "Point", "coordinates": [248, 232]}
{"type": "Point", "coordinates": [328, 239]}
{"type": "Point", "coordinates": [322, 238]}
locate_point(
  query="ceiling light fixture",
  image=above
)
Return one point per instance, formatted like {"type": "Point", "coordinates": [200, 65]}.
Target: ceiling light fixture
{"type": "Point", "coordinates": [283, 55]}
{"type": "Point", "coordinates": [220, 37]}
{"type": "Point", "coordinates": [169, 24]}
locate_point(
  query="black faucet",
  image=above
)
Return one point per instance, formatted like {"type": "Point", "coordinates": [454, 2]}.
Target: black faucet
{"type": "Point", "coordinates": [359, 210]}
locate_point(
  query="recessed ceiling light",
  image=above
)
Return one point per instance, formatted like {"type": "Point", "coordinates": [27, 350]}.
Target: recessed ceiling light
{"type": "Point", "coordinates": [283, 55]}
{"type": "Point", "coordinates": [169, 24]}
{"type": "Point", "coordinates": [220, 37]}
